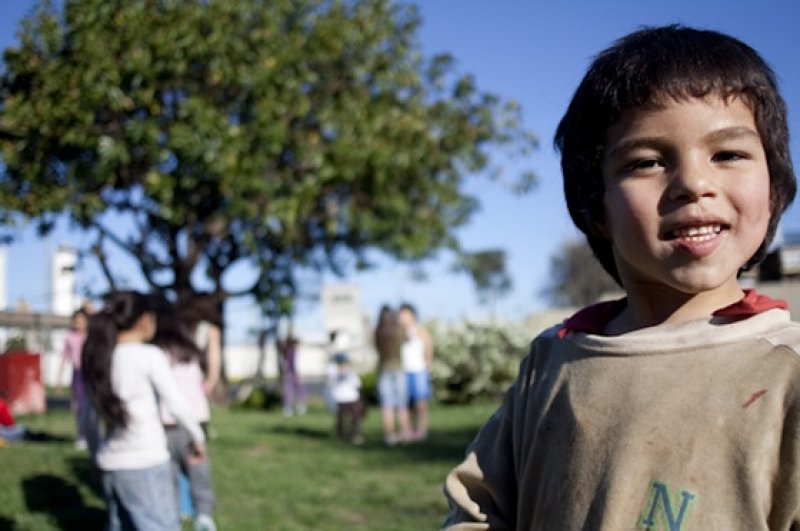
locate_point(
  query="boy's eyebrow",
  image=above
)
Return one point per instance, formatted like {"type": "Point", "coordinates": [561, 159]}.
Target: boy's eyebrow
{"type": "Point", "coordinates": [726, 133]}
{"type": "Point", "coordinates": [732, 133]}
{"type": "Point", "coordinates": [634, 143]}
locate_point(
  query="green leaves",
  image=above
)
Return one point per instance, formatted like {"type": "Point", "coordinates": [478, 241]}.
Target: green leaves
{"type": "Point", "coordinates": [475, 361]}
{"type": "Point", "coordinates": [285, 133]}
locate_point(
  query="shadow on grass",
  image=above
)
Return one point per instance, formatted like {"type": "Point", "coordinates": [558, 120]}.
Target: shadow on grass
{"type": "Point", "coordinates": [302, 431]}
{"type": "Point", "coordinates": [62, 501]}
{"type": "Point", "coordinates": [441, 445]}
{"type": "Point", "coordinates": [6, 524]}
{"type": "Point", "coordinates": [33, 436]}
{"type": "Point", "coordinates": [87, 474]}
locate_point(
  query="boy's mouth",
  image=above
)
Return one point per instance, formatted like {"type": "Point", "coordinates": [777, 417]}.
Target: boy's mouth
{"type": "Point", "coordinates": [699, 233]}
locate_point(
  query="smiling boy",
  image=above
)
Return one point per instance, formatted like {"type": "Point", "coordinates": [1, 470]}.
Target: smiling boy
{"type": "Point", "coordinates": [677, 407]}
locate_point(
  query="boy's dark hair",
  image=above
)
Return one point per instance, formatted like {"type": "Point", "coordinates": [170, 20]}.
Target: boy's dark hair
{"type": "Point", "coordinates": [640, 71]}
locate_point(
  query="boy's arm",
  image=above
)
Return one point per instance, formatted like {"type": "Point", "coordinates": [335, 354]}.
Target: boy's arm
{"type": "Point", "coordinates": [482, 490]}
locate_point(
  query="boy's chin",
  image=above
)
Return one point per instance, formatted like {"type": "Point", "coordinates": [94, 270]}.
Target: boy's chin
{"type": "Point", "coordinates": [687, 283]}
{"type": "Point", "coordinates": [724, 286]}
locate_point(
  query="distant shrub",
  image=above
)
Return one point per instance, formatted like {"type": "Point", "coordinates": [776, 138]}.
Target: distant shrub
{"type": "Point", "coordinates": [476, 360]}
{"type": "Point", "coordinates": [257, 395]}
{"type": "Point", "coordinates": [369, 387]}
{"type": "Point", "coordinates": [16, 344]}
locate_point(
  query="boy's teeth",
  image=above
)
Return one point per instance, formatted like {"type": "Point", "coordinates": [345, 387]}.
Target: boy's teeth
{"type": "Point", "coordinates": [706, 232]}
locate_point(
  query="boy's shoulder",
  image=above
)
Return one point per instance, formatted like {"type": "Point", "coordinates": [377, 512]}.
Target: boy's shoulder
{"type": "Point", "coordinates": [755, 316]}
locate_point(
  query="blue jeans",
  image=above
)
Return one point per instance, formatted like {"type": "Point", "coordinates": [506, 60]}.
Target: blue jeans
{"type": "Point", "coordinates": [419, 386]}
{"type": "Point", "coordinates": [13, 433]}
{"type": "Point", "coordinates": [199, 474]}
{"type": "Point", "coordinates": [393, 389]}
{"type": "Point", "coordinates": [141, 499]}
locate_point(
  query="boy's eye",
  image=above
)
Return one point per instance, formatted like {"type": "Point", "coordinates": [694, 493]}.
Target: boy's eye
{"type": "Point", "coordinates": [641, 164]}
{"type": "Point", "coordinates": [728, 156]}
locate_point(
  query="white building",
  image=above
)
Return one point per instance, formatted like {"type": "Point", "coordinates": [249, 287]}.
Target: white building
{"type": "Point", "coordinates": [343, 313]}
{"type": "Point", "coordinates": [63, 298]}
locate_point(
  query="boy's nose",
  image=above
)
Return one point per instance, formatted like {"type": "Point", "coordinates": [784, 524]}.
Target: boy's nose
{"type": "Point", "coordinates": [690, 182]}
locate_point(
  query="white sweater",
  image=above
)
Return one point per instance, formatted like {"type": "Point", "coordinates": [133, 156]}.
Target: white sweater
{"type": "Point", "coordinates": [141, 376]}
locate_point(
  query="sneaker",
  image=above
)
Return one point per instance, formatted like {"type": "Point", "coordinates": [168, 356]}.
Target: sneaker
{"type": "Point", "coordinates": [204, 522]}
{"type": "Point", "coordinates": [288, 412]}
{"type": "Point", "coordinates": [80, 444]}
{"type": "Point", "coordinates": [301, 409]}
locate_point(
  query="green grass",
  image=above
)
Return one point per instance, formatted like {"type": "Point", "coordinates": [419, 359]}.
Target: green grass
{"type": "Point", "coordinates": [269, 472]}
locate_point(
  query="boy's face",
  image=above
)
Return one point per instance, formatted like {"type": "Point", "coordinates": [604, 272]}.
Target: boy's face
{"type": "Point", "coordinates": [686, 195]}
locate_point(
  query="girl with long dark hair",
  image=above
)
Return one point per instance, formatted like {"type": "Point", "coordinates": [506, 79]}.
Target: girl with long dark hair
{"type": "Point", "coordinates": [125, 379]}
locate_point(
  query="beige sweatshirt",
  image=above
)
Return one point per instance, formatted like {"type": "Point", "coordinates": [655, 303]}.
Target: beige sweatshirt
{"type": "Point", "coordinates": [687, 427]}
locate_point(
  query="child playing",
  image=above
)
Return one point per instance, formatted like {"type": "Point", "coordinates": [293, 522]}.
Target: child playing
{"type": "Point", "coordinates": [125, 378]}
{"type": "Point", "coordinates": [174, 337]}
{"type": "Point", "coordinates": [293, 392]}
{"type": "Point", "coordinates": [677, 407]}
{"type": "Point", "coordinates": [346, 392]}
{"type": "Point", "coordinates": [392, 379]}
{"type": "Point", "coordinates": [71, 356]}
{"type": "Point", "coordinates": [417, 355]}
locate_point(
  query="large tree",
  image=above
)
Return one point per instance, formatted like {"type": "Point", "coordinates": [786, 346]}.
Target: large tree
{"type": "Point", "coordinates": [199, 134]}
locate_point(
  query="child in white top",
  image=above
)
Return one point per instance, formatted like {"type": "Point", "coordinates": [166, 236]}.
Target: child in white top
{"type": "Point", "coordinates": [125, 378]}
{"type": "Point", "coordinates": [345, 389]}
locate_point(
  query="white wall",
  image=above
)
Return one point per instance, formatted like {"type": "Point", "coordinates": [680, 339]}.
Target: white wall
{"type": "Point", "coordinates": [241, 361]}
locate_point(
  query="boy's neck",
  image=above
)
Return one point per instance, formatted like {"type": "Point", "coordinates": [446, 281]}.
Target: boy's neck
{"type": "Point", "coordinates": [666, 306]}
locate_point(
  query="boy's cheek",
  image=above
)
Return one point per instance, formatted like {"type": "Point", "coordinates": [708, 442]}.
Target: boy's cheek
{"type": "Point", "coordinates": [621, 213]}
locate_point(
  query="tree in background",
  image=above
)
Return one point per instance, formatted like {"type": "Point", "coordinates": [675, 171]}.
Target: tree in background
{"type": "Point", "coordinates": [197, 135]}
{"type": "Point", "coordinates": [476, 361]}
{"type": "Point", "coordinates": [576, 277]}
{"type": "Point", "coordinates": [488, 272]}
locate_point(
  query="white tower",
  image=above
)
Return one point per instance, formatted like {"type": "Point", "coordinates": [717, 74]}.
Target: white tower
{"type": "Point", "coordinates": [64, 300]}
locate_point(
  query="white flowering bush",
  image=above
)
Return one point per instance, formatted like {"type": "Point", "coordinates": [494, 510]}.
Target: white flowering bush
{"type": "Point", "coordinates": [476, 360]}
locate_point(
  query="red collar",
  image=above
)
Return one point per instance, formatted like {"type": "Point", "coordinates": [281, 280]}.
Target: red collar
{"type": "Point", "coordinates": [593, 319]}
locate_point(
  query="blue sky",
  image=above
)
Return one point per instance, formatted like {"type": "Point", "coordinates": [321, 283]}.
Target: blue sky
{"type": "Point", "coordinates": [533, 51]}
